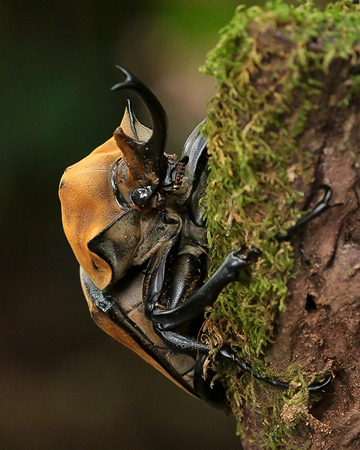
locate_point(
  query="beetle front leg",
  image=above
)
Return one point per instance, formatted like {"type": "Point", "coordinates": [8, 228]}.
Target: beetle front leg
{"type": "Point", "coordinates": [229, 271]}
{"type": "Point", "coordinates": [321, 207]}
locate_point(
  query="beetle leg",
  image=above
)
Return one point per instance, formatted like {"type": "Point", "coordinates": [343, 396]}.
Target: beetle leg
{"type": "Point", "coordinates": [189, 346]}
{"type": "Point", "coordinates": [227, 356]}
{"type": "Point", "coordinates": [229, 271]}
{"type": "Point", "coordinates": [321, 207]}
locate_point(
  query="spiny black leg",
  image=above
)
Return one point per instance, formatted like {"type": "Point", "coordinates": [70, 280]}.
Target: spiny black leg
{"type": "Point", "coordinates": [321, 207]}
{"type": "Point", "coordinates": [205, 296]}
{"type": "Point", "coordinates": [227, 356]}
{"type": "Point", "coordinates": [189, 346]}
{"type": "Point", "coordinates": [183, 344]}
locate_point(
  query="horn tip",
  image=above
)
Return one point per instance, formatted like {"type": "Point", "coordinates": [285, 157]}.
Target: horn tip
{"type": "Point", "coordinates": [125, 84]}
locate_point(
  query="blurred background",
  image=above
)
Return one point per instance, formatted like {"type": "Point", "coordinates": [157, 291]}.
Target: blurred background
{"type": "Point", "coordinates": [65, 384]}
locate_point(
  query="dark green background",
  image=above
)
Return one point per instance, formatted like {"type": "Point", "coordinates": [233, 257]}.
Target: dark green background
{"type": "Point", "coordinates": [64, 384]}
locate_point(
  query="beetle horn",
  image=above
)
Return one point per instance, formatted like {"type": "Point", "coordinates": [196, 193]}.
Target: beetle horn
{"type": "Point", "coordinates": [143, 153]}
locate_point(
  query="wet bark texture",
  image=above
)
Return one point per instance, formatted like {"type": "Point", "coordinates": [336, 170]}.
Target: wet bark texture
{"type": "Point", "coordinates": [320, 328]}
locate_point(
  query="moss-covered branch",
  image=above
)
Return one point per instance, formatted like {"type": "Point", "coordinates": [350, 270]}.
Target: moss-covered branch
{"type": "Point", "coordinates": [288, 77]}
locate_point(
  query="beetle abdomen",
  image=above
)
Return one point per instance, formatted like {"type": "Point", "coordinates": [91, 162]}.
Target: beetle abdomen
{"type": "Point", "coordinates": [135, 331]}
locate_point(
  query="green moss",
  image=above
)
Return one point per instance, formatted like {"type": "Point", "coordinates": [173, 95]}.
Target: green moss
{"type": "Point", "coordinates": [267, 89]}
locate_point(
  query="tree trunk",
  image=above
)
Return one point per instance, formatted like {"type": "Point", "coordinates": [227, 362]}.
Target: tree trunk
{"type": "Point", "coordinates": [286, 119]}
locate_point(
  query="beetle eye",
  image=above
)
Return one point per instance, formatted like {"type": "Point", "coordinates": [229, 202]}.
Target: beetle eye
{"type": "Point", "coordinates": [141, 196]}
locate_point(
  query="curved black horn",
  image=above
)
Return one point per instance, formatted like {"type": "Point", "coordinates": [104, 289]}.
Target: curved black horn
{"type": "Point", "coordinates": [156, 143]}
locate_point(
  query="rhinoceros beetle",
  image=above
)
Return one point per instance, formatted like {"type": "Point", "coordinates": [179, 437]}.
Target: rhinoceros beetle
{"type": "Point", "coordinates": [133, 217]}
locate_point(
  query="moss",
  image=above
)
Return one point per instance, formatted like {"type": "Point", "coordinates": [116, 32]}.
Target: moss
{"type": "Point", "coordinates": [269, 64]}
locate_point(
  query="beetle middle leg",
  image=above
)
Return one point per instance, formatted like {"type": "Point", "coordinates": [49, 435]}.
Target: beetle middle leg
{"type": "Point", "coordinates": [229, 271]}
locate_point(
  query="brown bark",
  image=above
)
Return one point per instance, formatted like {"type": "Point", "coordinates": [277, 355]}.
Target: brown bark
{"type": "Point", "coordinates": [321, 325]}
